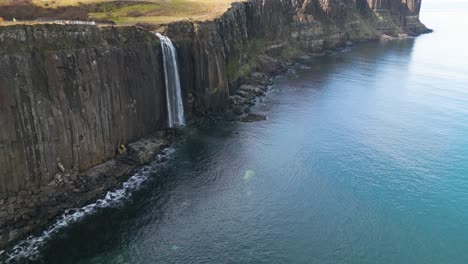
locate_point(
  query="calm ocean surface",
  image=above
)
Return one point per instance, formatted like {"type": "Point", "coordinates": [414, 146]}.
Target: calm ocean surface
{"type": "Point", "coordinates": [363, 159]}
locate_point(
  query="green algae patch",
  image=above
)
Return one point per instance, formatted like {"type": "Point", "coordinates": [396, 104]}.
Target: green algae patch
{"type": "Point", "coordinates": [174, 248]}
{"type": "Point", "coordinates": [249, 174]}
{"type": "Point", "coordinates": [240, 68]}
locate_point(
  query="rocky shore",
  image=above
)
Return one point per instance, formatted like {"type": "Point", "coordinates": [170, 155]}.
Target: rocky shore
{"type": "Point", "coordinates": [74, 98]}
{"type": "Point", "coordinates": [34, 208]}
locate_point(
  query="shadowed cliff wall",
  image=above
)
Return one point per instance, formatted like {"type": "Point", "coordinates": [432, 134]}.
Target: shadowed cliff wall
{"type": "Point", "coordinates": [71, 95]}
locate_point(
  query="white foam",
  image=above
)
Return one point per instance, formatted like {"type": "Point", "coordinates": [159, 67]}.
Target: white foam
{"type": "Point", "coordinates": [30, 247]}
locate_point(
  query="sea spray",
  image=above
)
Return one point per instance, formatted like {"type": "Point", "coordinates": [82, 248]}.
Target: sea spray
{"type": "Point", "coordinates": [29, 248]}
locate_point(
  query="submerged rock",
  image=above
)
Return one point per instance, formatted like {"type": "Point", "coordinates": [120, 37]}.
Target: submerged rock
{"type": "Point", "coordinates": [253, 118]}
{"type": "Point", "coordinates": [239, 110]}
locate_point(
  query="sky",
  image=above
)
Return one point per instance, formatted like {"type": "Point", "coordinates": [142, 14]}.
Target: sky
{"type": "Point", "coordinates": [443, 4]}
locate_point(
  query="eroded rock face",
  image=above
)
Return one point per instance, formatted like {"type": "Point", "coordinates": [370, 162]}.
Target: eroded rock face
{"type": "Point", "coordinates": [412, 6]}
{"type": "Point", "coordinates": [71, 95]}
{"type": "Point", "coordinates": [338, 9]}
{"type": "Point", "coordinates": [73, 106]}
{"type": "Point", "coordinates": [404, 13]}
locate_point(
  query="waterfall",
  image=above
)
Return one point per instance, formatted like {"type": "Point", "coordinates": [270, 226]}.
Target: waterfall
{"type": "Point", "coordinates": [175, 107]}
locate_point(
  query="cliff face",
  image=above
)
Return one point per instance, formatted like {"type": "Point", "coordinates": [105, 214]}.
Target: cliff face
{"type": "Point", "coordinates": [70, 95]}
{"type": "Point", "coordinates": [216, 55]}
{"type": "Point", "coordinates": [405, 7]}
{"type": "Point", "coordinates": [404, 14]}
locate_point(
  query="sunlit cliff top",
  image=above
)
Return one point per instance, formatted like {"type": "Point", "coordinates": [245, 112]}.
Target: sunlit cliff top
{"type": "Point", "coordinates": [120, 12]}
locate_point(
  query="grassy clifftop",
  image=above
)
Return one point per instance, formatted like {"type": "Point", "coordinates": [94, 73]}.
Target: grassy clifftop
{"type": "Point", "coordinates": [121, 12]}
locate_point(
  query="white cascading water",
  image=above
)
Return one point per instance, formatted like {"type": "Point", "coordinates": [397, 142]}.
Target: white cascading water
{"type": "Point", "coordinates": [175, 106]}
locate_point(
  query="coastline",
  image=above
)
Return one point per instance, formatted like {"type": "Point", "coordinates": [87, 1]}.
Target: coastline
{"type": "Point", "coordinates": [72, 189]}
{"type": "Point", "coordinates": [94, 185]}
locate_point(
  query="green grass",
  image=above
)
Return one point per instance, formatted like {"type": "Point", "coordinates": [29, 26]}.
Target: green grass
{"type": "Point", "coordinates": [166, 11]}
{"type": "Point", "coordinates": [142, 11]}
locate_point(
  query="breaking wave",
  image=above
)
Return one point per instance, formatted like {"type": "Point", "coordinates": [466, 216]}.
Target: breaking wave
{"type": "Point", "coordinates": [30, 247]}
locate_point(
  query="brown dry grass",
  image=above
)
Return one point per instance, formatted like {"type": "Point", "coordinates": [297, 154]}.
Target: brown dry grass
{"type": "Point", "coordinates": [126, 12]}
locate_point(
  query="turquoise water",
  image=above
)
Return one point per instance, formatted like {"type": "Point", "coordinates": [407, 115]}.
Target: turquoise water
{"type": "Point", "coordinates": [363, 159]}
